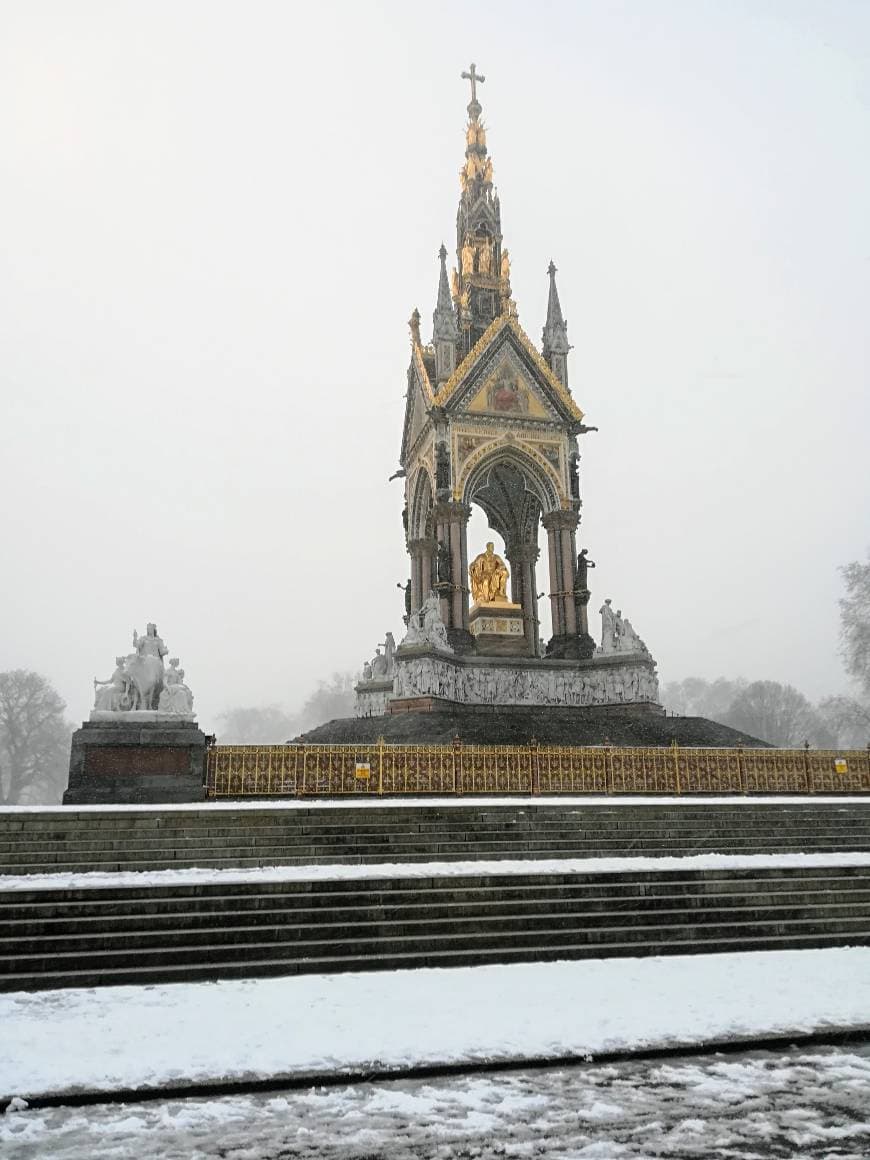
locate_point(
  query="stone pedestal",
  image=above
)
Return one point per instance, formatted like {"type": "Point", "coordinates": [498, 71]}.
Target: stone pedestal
{"type": "Point", "coordinates": [152, 759]}
{"type": "Point", "coordinates": [498, 629]}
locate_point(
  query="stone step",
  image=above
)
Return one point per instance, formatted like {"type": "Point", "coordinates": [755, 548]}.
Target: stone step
{"type": "Point", "coordinates": [485, 909]}
{"type": "Point", "coordinates": [185, 932]}
{"type": "Point", "coordinates": [158, 954]}
{"type": "Point", "coordinates": [261, 861]}
{"type": "Point", "coordinates": [610, 890]}
{"type": "Point", "coordinates": [265, 967]}
{"type": "Point", "coordinates": [135, 840]}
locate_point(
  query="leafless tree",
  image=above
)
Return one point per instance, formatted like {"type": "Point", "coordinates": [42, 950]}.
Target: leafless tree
{"type": "Point", "coordinates": [34, 740]}
{"type": "Point", "coordinates": [778, 714]}
{"type": "Point", "coordinates": [264, 725]}
{"type": "Point", "coordinates": [855, 623]}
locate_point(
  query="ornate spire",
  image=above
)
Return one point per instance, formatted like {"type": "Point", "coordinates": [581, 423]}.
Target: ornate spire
{"type": "Point", "coordinates": [556, 345]}
{"type": "Point", "coordinates": [481, 287]}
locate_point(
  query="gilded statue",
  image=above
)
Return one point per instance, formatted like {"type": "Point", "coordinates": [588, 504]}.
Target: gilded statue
{"type": "Point", "coordinates": [484, 258]}
{"type": "Point", "coordinates": [487, 171]}
{"type": "Point", "coordinates": [454, 284]}
{"type": "Point", "coordinates": [467, 257]}
{"type": "Point", "coordinates": [505, 266]}
{"type": "Point", "coordinates": [489, 576]}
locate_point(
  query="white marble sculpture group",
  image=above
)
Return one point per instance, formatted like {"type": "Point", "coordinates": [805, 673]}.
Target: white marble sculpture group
{"type": "Point", "coordinates": [142, 684]}
{"type": "Point", "coordinates": [617, 634]}
{"type": "Point", "coordinates": [425, 626]}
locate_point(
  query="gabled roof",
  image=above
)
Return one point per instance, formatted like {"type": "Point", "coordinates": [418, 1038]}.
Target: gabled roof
{"type": "Point", "coordinates": [561, 397]}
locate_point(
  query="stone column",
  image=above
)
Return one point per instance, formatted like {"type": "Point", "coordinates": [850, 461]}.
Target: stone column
{"type": "Point", "coordinates": [561, 527]}
{"type": "Point", "coordinates": [522, 558]}
{"type": "Point", "coordinates": [421, 552]}
{"type": "Point", "coordinates": [452, 521]}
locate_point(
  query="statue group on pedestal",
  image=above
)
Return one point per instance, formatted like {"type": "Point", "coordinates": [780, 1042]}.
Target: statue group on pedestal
{"type": "Point", "coordinates": [617, 634]}
{"type": "Point", "coordinates": [140, 681]}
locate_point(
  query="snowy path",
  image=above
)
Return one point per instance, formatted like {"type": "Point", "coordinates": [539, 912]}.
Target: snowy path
{"type": "Point", "coordinates": [194, 876]}
{"type": "Point", "coordinates": [807, 1104]}
{"type": "Point", "coordinates": [126, 1037]}
{"type": "Point", "coordinates": [368, 803]}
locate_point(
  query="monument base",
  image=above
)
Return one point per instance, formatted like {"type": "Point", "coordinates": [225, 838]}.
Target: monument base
{"type": "Point", "coordinates": [136, 762]}
{"type": "Point", "coordinates": [498, 630]}
{"type": "Point", "coordinates": [423, 672]}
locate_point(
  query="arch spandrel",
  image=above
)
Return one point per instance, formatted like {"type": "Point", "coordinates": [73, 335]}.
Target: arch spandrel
{"type": "Point", "coordinates": [539, 476]}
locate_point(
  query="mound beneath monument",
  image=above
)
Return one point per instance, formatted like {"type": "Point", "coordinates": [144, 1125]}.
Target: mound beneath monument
{"type": "Point", "coordinates": [517, 725]}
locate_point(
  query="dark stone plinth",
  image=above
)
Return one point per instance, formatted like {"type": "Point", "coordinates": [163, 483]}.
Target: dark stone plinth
{"type": "Point", "coordinates": [136, 762]}
{"type": "Point", "coordinates": [431, 720]}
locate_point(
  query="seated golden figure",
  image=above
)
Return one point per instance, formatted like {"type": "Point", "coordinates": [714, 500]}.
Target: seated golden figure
{"type": "Point", "coordinates": [489, 576]}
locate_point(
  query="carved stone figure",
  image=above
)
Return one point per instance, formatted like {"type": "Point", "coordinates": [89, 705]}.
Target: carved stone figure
{"type": "Point", "coordinates": [176, 697]}
{"type": "Point", "coordinates": [406, 588]}
{"type": "Point", "coordinates": [583, 564]}
{"type": "Point", "coordinates": [627, 638]}
{"type": "Point", "coordinates": [574, 473]}
{"type": "Point", "coordinates": [145, 668]}
{"type": "Point", "coordinates": [390, 654]}
{"type": "Point", "coordinates": [425, 626]}
{"type": "Point", "coordinates": [442, 466]}
{"type": "Point", "coordinates": [489, 575]}
{"type": "Point", "coordinates": [608, 627]}
{"type": "Point", "coordinates": [467, 256]}
{"type": "Point", "coordinates": [378, 666]}
{"type": "Point", "coordinates": [113, 696]}
{"type": "Point", "coordinates": [367, 670]}
{"type": "Point", "coordinates": [443, 565]}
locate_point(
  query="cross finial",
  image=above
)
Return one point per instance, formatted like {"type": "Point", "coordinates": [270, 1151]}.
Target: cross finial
{"type": "Point", "coordinates": [474, 76]}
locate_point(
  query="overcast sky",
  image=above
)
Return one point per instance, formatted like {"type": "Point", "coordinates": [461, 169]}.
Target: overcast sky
{"type": "Point", "coordinates": [216, 218]}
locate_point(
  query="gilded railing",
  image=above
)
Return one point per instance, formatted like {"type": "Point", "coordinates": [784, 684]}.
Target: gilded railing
{"type": "Point", "coordinates": [379, 769]}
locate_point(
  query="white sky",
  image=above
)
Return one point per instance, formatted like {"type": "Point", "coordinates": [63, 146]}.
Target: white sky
{"type": "Point", "coordinates": [215, 219]}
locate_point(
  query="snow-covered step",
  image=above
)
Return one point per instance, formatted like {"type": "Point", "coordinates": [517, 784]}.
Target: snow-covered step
{"type": "Point", "coordinates": [84, 937]}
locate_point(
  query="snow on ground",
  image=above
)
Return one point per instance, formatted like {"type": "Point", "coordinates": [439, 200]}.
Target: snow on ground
{"type": "Point", "coordinates": [579, 801]}
{"type": "Point", "coordinates": [124, 1037]}
{"type": "Point", "coordinates": [194, 876]}
{"type": "Point", "coordinates": [798, 1103]}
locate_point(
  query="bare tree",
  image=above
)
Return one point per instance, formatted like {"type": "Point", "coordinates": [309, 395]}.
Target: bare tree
{"type": "Point", "coordinates": [778, 714]}
{"type": "Point", "coordinates": [330, 700]}
{"type": "Point", "coordinates": [34, 740]}
{"type": "Point", "coordinates": [855, 623]}
{"type": "Point", "coordinates": [695, 697]}
{"type": "Point", "coordinates": [263, 725]}
{"type": "Point", "coordinates": [848, 720]}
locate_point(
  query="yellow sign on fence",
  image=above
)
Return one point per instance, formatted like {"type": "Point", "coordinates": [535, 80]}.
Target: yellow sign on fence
{"type": "Point", "coordinates": [456, 769]}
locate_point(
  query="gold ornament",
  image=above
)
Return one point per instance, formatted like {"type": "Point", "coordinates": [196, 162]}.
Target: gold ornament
{"type": "Point", "coordinates": [489, 576]}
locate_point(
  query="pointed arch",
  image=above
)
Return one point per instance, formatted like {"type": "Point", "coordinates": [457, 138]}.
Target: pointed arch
{"type": "Point", "coordinates": [420, 509]}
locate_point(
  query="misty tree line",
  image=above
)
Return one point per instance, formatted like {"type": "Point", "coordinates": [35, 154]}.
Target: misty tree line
{"type": "Point", "coordinates": [35, 735]}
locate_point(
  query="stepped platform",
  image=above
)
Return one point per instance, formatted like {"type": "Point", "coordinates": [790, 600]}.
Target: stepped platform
{"type": "Point", "coordinates": [439, 722]}
{"type": "Point", "coordinates": [231, 837]}
{"type": "Point", "coordinates": [98, 937]}
{"type": "Point", "coordinates": [378, 919]}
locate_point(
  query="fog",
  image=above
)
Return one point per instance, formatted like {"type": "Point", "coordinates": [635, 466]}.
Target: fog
{"type": "Point", "coordinates": [215, 220]}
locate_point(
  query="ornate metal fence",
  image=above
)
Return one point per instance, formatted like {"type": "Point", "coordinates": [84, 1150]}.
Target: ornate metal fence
{"type": "Point", "coordinates": [379, 769]}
